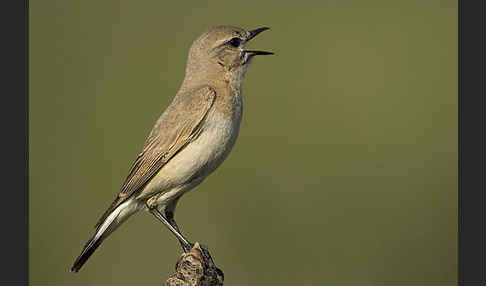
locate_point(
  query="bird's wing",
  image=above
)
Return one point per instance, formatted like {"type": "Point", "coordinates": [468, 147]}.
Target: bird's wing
{"type": "Point", "coordinates": [177, 126]}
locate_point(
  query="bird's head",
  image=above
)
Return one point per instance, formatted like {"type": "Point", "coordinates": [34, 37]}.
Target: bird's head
{"type": "Point", "coordinates": [221, 49]}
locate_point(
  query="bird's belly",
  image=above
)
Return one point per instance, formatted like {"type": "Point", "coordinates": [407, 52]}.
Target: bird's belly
{"type": "Point", "coordinates": [198, 159]}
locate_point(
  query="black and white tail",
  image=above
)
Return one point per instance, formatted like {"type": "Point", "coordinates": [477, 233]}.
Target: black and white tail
{"type": "Point", "coordinates": [111, 222]}
{"type": "Point", "coordinates": [88, 249]}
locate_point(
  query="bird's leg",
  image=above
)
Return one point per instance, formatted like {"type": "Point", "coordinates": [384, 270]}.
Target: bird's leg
{"type": "Point", "coordinates": [169, 215]}
{"type": "Point", "coordinates": [169, 212]}
{"type": "Point", "coordinates": [186, 245]}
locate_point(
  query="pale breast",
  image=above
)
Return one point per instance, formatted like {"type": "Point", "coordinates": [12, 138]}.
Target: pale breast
{"type": "Point", "coordinates": [200, 157]}
{"type": "Point", "coordinates": [208, 151]}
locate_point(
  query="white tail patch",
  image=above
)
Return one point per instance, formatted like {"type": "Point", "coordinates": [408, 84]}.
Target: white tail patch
{"type": "Point", "coordinates": [117, 216]}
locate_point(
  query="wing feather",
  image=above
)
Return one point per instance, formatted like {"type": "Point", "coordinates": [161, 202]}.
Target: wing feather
{"type": "Point", "coordinates": [176, 127]}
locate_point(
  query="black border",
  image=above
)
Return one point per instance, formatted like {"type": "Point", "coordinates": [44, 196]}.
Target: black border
{"type": "Point", "coordinates": [471, 209]}
{"type": "Point", "coordinates": [472, 142]}
{"type": "Point", "coordinates": [14, 23]}
{"type": "Point", "coordinates": [460, 240]}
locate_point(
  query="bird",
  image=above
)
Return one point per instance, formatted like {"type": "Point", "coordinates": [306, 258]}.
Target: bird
{"type": "Point", "coordinates": [191, 138]}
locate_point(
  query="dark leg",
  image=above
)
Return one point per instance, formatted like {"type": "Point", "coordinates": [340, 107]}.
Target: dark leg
{"type": "Point", "coordinates": [186, 245]}
{"type": "Point", "coordinates": [169, 214]}
{"type": "Point", "coordinates": [170, 219]}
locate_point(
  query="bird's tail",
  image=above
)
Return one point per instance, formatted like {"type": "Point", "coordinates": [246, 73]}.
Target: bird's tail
{"type": "Point", "coordinates": [112, 221]}
{"type": "Point", "coordinates": [88, 250]}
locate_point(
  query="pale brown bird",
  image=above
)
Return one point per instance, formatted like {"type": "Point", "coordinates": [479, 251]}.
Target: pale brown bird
{"type": "Point", "coordinates": [191, 138]}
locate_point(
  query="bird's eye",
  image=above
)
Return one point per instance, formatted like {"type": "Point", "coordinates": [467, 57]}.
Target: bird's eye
{"type": "Point", "coordinates": [235, 42]}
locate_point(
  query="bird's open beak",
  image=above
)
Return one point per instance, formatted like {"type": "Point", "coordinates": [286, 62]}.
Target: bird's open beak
{"type": "Point", "coordinates": [251, 35]}
{"type": "Point", "coordinates": [255, 32]}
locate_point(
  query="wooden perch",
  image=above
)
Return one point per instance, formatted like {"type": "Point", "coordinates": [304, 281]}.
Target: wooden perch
{"type": "Point", "coordinates": [196, 268]}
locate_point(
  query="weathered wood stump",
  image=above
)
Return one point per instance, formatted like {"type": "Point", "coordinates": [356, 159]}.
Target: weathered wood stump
{"type": "Point", "coordinates": [196, 268]}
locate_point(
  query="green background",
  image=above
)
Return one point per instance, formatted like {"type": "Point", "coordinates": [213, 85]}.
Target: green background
{"type": "Point", "coordinates": [344, 173]}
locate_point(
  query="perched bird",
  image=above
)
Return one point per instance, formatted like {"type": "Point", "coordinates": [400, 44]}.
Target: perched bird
{"type": "Point", "coordinates": [191, 138]}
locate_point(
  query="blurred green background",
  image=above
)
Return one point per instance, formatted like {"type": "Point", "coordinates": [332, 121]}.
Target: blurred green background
{"type": "Point", "coordinates": [344, 173]}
